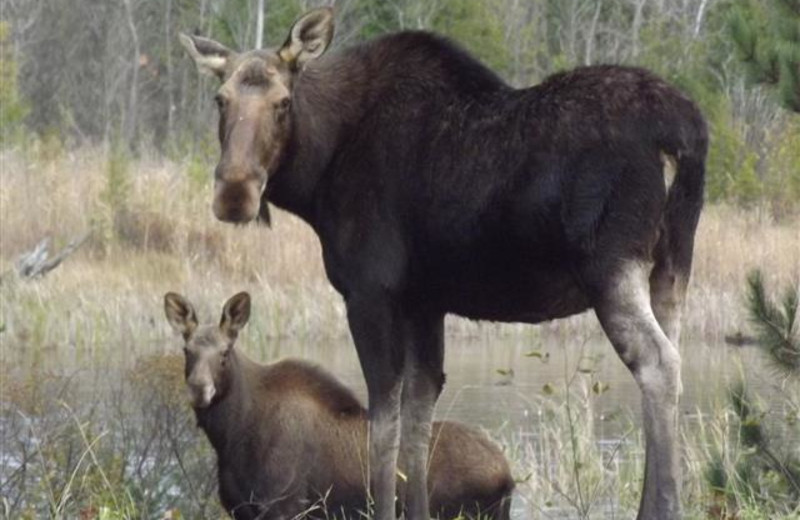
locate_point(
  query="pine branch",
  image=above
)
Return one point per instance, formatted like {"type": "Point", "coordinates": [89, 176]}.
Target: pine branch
{"type": "Point", "coordinates": [775, 328]}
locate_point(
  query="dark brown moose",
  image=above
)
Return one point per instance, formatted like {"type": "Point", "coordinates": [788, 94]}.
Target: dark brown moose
{"type": "Point", "coordinates": [291, 440]}
{"type": "Point", "coordinates": [436, 188]}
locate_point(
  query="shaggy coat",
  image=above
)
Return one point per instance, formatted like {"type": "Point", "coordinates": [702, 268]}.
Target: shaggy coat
{"type": "Point", "coordinates": [291, 440]}
{"type": "Point", "coordinates": [435, 188]}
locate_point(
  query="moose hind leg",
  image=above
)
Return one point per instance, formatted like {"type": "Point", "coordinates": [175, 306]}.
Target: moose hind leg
{"type": "Point", "coordinates": [667, 295]}
{"type": "Point", "coordinates": [624, 310]}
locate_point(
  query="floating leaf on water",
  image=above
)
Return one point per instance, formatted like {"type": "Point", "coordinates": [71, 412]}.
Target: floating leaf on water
{"type": "Point", "coordinates": [537, 354]}
{"type": "Point", "coordinates": [524, 479]}
{"type": "Point", "coordinates": [598, 387]}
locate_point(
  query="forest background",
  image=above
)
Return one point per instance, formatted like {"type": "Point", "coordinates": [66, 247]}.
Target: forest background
{"type": "Point", "coordinates": [108, 144]}
{"type": "Point", "coordinates": [102, 71]}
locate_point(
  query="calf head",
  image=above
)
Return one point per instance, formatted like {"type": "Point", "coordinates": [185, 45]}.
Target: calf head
{"type": "Point", "coordinates": [255, 109]}
{"type": "Point", "coordinates": [207, 348]}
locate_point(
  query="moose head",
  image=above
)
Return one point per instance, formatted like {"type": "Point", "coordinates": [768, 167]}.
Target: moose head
{"type": "Point", "coordinates": [207, 348]}
{"type": "Point", "coordinates": [255, 109]}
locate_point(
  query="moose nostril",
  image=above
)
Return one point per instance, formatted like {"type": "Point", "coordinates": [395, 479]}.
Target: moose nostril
{"type": "Point", "coordinates": [236, 202]}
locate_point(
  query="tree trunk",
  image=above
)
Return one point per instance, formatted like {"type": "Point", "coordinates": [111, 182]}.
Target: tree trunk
{"type": "Point", "coordinates": [133, 98]}
{"type": "Point", "coordinates": [260, 24]}
{"type": "Point", "coordinates": [168, 44]}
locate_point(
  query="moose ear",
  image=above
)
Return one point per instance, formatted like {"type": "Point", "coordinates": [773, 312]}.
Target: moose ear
{"type": "Point", "coordinates": [308, 38]}
{"type": "Point", "coordinates": [235, 314]}
{"type": "Point", "coordinates": [211, 57]}
{"type": "Point", "coordinates": [180, 314]}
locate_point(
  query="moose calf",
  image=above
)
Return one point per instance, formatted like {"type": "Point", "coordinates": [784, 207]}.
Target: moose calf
{"type": "Point", "coordinates": [291, 440]}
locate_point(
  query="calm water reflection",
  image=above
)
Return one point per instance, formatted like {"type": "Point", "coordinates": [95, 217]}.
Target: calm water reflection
{"type": "Point", "coordinates": [494, 383]}
{"type": "Point", "coordinates": [502, 384]}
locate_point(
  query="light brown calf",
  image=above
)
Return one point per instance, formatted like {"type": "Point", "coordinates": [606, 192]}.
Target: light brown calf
{"type": "Point", "coordinates": [291, 440]}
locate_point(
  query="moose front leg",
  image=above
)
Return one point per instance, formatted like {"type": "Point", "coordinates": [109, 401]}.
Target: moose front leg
{"type": "Point", "coordinates": [423, 380]}
{"type": "Point", "coordinates": [379, 331]}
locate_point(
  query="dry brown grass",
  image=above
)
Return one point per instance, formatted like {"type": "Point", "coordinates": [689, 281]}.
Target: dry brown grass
{"type": "Point", "coordinates": [730, 243]}
{"type": "Point", "coordinates": [97, 320]}
{"type": "Point", "coordinates": [163, 237]}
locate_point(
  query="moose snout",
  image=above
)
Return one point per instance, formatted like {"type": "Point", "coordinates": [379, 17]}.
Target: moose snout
{"type": "Point", "coordinates": [201, 395]}
{"type": "Point", "coordinates": [237, 202]}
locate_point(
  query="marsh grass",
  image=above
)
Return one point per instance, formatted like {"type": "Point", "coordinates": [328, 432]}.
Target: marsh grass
{"type": "Point", "coordinates": [93, 420]}
{"type": "Point", "coordinates": [565, 468]}
{"type": "Point", "coordinates": [152, 231]}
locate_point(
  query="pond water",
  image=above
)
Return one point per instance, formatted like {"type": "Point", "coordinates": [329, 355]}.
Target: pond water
{"type": "Point", "coordinates": [509, 386]}
{"type": "Point", "coordinates": [495, 383]}
{"type": "Point", "coordinates": [506, 386]}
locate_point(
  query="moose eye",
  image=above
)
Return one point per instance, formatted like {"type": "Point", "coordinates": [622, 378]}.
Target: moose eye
{"type": "Point", "coordinates": [220, 101]}
{"type": "Point", "coordinates": [283, 104]}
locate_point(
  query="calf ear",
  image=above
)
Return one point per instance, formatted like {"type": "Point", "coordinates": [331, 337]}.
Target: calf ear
{"type": "Point", "coordinates": [210, 57]}
{"type": "Point", "coordinates": [308, 38]}
{"type": "Point", "coordinates": [180, 314]}
{"type": "Point", "coordinates": [235, 314]}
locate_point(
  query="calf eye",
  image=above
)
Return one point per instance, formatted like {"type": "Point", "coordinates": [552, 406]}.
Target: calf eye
{"type": "Point", "coordinates": [284, 104]}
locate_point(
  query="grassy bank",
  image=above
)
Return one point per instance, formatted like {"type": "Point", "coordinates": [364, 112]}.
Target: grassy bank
{"type": "Point", "coordinates": [152, 230]}
{"type": "Point", "coordinates": [92, 413]}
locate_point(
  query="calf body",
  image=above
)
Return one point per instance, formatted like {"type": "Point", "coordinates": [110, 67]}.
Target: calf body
{"type": "Point", "coordinates": [436, 188]}
{"type": "Point", "coordinates": [291, 440]}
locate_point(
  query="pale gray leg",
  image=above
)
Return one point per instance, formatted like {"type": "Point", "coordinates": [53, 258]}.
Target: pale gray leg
{"type": "Point", "coordinates": [625, 313]}
{"type": "Point", "coordinates": [379, 333]}
{"type": "Point", "coordinates": [422, 383]}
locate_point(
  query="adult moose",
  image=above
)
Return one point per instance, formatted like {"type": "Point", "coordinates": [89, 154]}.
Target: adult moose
{"type": "Point", "coordinates": [436, 188]}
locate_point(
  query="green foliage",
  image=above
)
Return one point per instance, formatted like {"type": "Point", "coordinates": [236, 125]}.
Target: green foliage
{"type": "Point", "coordinates": [767, 38]}
{"type": "Point", "coordinates": [279, 17]}
{"type": "Point", "coordinates": [113, 201]}
{"type": "Point", "coordinates": [87, 100]}
{"type": "Point", "coordinates": [118, 185]}
{"type": "Point", "coordinates": [764, 469]}
{"type": "Point", "coordinates": [12, 107]}
{"type": "Point", "coordinates": [782, 187]}
{"type": "Point", "coordinates": [476, 25]}
{"type": "Point", "coordinates": [756, 470]}
{"type": "Point", "coordinates": [776, 327]}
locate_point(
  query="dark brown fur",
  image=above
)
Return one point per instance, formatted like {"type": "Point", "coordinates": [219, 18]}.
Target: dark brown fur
{"type": "Point", "coordinates": [290, 438]}
{"type": "Point", "coordinates": [435, 188]}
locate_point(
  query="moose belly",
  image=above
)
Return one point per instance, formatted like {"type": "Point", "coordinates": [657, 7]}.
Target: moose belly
{"type": "Point", "coordinates": [524, 292]}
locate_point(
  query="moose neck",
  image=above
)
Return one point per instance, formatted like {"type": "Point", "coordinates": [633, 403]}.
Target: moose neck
{"type": "Point", "coordinates": [225, 419]}
{"type": "Point", "coordinates": [328, 98]}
